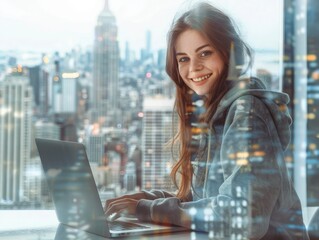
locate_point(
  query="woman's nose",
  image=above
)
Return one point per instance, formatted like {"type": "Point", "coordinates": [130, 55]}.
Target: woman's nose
{"type": "Point", "coordinates": [195, 65]}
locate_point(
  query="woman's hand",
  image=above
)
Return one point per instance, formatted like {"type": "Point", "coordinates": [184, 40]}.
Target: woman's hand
{"type": "Point", "coordinates": [121, 207]}
{"type": "Point", "coordinates": [125, 205]}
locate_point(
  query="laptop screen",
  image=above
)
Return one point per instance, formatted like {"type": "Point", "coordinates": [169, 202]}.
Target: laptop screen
{"type": "Point", "coordinates": [71, 184]}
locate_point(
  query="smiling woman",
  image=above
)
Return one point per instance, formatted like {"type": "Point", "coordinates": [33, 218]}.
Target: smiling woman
{"type": "Point", "coordinates": [231, 178]}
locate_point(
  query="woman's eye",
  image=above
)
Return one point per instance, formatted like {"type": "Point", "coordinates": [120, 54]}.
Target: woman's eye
{"type": "Point", "coordinates": [183, 59]}
{"type": "Point", "coordinates": [206, 53]}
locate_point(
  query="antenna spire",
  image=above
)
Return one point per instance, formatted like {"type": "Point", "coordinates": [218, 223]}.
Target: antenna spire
{"type": "Point", "coordinates": [106, 5]}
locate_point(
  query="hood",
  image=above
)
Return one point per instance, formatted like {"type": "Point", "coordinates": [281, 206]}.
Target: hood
{"type": "Point", "coordinates": [276, 102]}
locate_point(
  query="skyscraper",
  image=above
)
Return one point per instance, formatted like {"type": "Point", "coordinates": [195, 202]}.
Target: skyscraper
{"type": "Point", "coordinates": [301, 66]}
{"type": "Point", "coordinates": [146, 54]}
{"type": "Point", "coordinates": [106, 67]}
{"type": "Point", "coordinates": [95, 147]}
{"type": "Point", "coordinates": [148, 41]}
{"type": "Point", "coordinates": [39, 81]}
{"type": "Point", "coordinates": [130, 177]}
{"type": "Point", "coordinates": [157, 126]}
{"type": "Point", "coordinates": [312, 58]}
{"type": "Point", "coordinates": [69, 92]}
{"type": "Point", "coordinates": [56, 102]}
{"type": "Point", "coordinates": [295, 84]}
{"type": "Point", "coordinates": [16, 100]}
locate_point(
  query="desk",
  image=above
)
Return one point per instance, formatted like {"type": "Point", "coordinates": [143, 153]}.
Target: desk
{"type": "Point", "coordinates": [43, 225]}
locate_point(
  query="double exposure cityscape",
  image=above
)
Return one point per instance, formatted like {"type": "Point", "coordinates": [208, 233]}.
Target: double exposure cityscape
{"type": "Point", "coordinates": [119, 104]}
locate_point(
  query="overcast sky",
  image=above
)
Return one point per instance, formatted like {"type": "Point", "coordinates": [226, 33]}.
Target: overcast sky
{"type": "Point", "coordinates": [46, 26]}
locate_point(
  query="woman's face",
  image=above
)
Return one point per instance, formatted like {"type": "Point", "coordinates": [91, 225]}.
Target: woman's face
{"type": "Point", "coordinates": [199, 64]}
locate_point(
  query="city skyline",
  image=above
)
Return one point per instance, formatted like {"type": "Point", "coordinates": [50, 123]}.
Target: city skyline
{"type": "Point", "coordinates": [61, 26]}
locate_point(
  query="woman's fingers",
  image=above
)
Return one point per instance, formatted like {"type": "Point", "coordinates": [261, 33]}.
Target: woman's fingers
{"type": "Point", "coordinates": [120, 207]}
{"type": "Point", "coordinates": [136, 196]}
{"type": "Point", "coordinates": [110, 201]}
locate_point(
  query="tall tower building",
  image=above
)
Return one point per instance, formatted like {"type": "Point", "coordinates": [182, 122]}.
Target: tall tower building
{"type": "Point", "coordinates": [130, 177]}
{"type": "Point", "coordinates": [56, 101]}
{"type": "Point", "coordinates": [95, 148]}
{"type": "Point", "coordinates": [148, 42]}
{"type": "Point", "coordinates": [157, 126]}
{"type": "Point", "coordinates": [39, 80]}
{"type": "Point", "coordinates": [69, 92]}
{"type": "Point", "coordinates": [106, 67]}
{"type": "Point", "coordinates": [301, 68]}
{"type": "Point", "coordinates": [16, 100]}
{"type": "Point", "coordinates": [312, 102]}
{"type": "Point", "coordinates": [35, 79]}
{"type": "Point", "coordinates": [127, 55]}
{"type": "Point", "coordinates": [295, 85]}
{"type": "Point", "coordinates": [146, 54]}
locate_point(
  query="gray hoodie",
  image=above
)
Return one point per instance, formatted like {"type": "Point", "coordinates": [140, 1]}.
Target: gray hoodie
{"type": "Point", "coordinates": [240, 181]}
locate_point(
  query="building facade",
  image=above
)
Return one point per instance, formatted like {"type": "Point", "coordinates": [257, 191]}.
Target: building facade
{"type": "Point", "coordinates": [16, 100]}
{"type": "Point", "coordinates": [301, 83]}
{"type": "Point", "coordinates": [157, 131]}
{"type": "Point", "coordinates": [106, 68]}
{"type": "Point", "coordinates": [312, 58]}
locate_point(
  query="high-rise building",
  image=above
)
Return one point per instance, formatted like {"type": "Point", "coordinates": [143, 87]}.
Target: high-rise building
{"type": "Point", "coordinates": [35, 78]}
{"type": "Point", "coordinates": [130, 177]}
{"type": "Point", "coordinates": [69, 93]}
{"type": "Point", "coordinates": [39, 81]}
{"type": "Point", "coordinates": [43, 129]}
{"type": "Point", "coordinates": [157, 131]}
{"type": "Point", "coordinates": [44, 105]}
{"type": "Point", "coordinates": [146, 53]}
{"type": "Point", "coordinates": [95, 148]}
{"type": "Point", "coordinates": [65, 100]}
{"type": "Point", "coordinates": [295, 85]}
{"type": "Point", "coordinates": [148, 41]}
{"type": "Point", "coordinates": [127, 58]}
{"type": "Point", "coordinates": [64, 89]}
{"type": "Point", "coordinates": [56, 100]}
{"type": "Point", "coordinates": [106, 68]}
{"type": "Point", "coordinates": [161, 59]}
{"type": "Point", "coordinates": [16, 100]}
{"type": "Point", "coordinates": [301, 43]}
{"type": "Point", "coordinates": [312, 58]}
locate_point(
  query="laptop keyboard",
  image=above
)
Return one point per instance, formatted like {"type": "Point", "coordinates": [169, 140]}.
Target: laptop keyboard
{"type": "Point", "coordinates": [119, 226]}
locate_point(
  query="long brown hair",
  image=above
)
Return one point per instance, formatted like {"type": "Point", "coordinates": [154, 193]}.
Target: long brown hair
{"type": "Point", "coordinates": [221, 33]}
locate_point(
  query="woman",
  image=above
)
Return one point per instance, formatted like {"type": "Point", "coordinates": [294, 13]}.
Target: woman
{"type": "Point", "coordinates": [234, 181]}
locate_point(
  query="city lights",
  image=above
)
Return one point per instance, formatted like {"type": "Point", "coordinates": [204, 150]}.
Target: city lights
{"type": "Point", "coordinates": [70, 75]}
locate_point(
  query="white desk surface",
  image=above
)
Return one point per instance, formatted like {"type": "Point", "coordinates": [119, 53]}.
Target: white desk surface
{"type": "Point", "coordinates": [43, 225]}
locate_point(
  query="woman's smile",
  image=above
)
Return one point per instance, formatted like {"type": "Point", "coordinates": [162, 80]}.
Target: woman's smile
{"type": "Point", "coordinates": [202, 78]}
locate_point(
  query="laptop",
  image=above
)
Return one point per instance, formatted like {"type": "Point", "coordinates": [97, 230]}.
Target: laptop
{"type": "Point", "coordinates": [75, 195]}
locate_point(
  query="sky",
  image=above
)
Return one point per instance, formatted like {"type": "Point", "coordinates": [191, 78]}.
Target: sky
{"type": "Point", "coordinates": [60, 25]}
